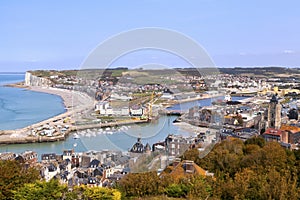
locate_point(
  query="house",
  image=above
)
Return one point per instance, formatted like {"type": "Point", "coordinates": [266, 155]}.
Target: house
{"type": "Point", "coordinates": [181, 169]}
{"type": "Point", "coordinates": [241, 133]}
{"type": "Point", "coordinates": [293, 133]}
{"type": "Point", "coordinates": [49, 171]}
{"type": "Point", "coordinates": [109, 111]}
{"type": "Point", "coordinates": [101, 106]}
{"type": "Point", "coordinates": [92, 182]}
{"type": "Point", "coordinates": [7, 156]}
{"type": "Point", "coordinates": [67, 154]}
{"type": "Point", "coordinates": [176, 145]}
{"type": "Point", "coordinates": [138, 147]}
{"type": "Point", "coordinates": [80, 173]}
{"type": "Point", "coordinates": [99, 171]}
{"type": "Point", "coordinates": [48, 157]}
{"type": "Point", "coordinates": [65, 177]}
{"type": "Point", "coordinates": [75, 161]}
{"type": "Point", "coordinates": [94, 164]}
{"type": "Point", "coordinates": [107, 170]}
{"type": "Point", "coordinates": [136, 110]}
{"type": "Point", "coordinates": [272, 134]}
{"type": "Point", "coordinates": [27, 157]}
{"type": "Point", "coordinates": [65, 165]}
{"type": "Point", "coordinates": [85, 161]}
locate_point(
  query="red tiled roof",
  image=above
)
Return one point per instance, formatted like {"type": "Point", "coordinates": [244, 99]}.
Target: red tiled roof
{"type": "Point", "coordinates": [273, 131]}
{"type": "Point", "coordinates": [292, 129]}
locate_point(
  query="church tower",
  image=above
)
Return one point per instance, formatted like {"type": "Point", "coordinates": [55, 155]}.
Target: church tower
{"type": "Point", "coordinates": [274, 113]}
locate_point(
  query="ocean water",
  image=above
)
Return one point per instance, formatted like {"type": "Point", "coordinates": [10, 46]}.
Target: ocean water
{"type": "Point", "coordinates": [20, 107]}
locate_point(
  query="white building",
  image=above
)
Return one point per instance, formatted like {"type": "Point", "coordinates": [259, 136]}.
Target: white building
{"type": "Point", "coordinates": [136, 111]}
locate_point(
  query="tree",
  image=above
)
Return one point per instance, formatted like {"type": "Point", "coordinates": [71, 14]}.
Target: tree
{"type": "Point", "coordinates": [177, 190]}
{"type": "Point", "coordinates": [256, 140]}
{"type": "Point", "coordinates": [14, 175]}
{"type": "Point", "coordinates": [98, 193]}
{"type": "Point", "coordinates": [191, 154]}
{"type": "Point", "coordinates": [51, 190]}
{"type": "Point", "coordinates": [140, 184]}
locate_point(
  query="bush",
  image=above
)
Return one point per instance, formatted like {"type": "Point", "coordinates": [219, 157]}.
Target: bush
{"type": "Point", "coordinates": [177, 190]}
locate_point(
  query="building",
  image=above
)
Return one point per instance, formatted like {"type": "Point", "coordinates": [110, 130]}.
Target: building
{"type": "Point", "coordinates": [293, 134]}
{"type": "Point", "coordinates": [27, 157]}
{"type": "Point", "coordinates": [181, 169]}
{"type": "Point", "coordinates": [67, 154]}
{"type": "Point", "coordinates": [138, 147]}
{"type": "Point", "coordinates": [7, 156]}
{"type": "Point", "coordinates": [274, 113]}
{"type": "Point", "coordinates": [272, 134]}
{"type": "Point", "coordinates": [48, 157]}
{"type": "Point", "coordinates": [136, 111]}
{"type": "Point", "coordinates": [176, 145]}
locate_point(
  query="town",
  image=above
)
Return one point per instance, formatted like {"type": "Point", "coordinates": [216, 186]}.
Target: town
{"type": "Point", "coordinates": [268, 108]}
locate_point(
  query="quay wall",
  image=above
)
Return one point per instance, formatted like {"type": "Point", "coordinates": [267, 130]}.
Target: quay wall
{"type": "Point", "coordinates": [7, 136]}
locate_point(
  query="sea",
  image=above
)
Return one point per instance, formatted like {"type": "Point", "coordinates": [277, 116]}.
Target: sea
{"type": "Point", "coordinates": [20, 107]}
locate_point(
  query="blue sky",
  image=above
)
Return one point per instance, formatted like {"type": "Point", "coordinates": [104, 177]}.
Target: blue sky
{"type": "Point", "coordinates": [61, 34]}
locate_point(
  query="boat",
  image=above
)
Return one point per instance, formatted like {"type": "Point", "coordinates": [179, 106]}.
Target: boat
{"type": "Point", "coordinates": [76, 136]}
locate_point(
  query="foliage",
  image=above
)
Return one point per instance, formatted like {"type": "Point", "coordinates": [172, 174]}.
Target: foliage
{"type": "Point", "coordinates": [150, 184]}
{"type": "Point", "coordinates": [14, 175]}
{"type": "Point", "coordinates": [260, 171]}
{"type": "Point", "coordinates": [177, 190]}
{"type": "Point", "coordinates": [252, 169]}
{"type": "Point", "coordinates": [41, 190]}
{"type": "Point", "coordinates": [140, 184]}
{"type": "Point", "coordinates": [256, 140]}
{"type": "Point", "coordinates": [242, 170]}
{"type": "Point", "coordinates": [98, 193]}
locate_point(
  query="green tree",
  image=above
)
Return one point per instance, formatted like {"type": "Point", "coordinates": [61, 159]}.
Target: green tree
{"type": "Point", "coordinates": [99, 193]}
{"type": "Point", "coordinates": [41, 190]}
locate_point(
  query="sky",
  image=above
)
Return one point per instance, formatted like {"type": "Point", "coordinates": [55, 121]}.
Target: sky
{"type": "Point", "coordinates": [61, 34]}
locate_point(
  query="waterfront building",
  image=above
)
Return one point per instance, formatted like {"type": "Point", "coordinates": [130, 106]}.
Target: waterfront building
{"type": "Point", "coordinates": [136, 110]}
{"type": "Point", "coordinates": [48, 157]}
{"type": "Point", "coordinates": [67, 154]}
{"type": "Point", "coordinates": [28, 157]}
{"type": "Point", "coordinates": [138, 147]}
{"type": "Point", "coordinates": [7, 156]}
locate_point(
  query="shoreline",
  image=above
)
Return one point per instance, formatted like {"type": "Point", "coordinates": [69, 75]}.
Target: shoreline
{"type": "Point", "coordinates": [75, 102]}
